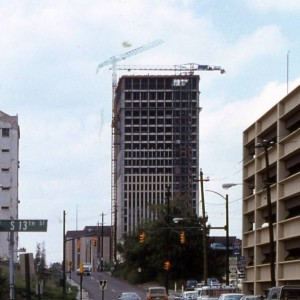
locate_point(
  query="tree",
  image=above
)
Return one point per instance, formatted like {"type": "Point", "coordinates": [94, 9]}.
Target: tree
{"type": "Point", "coordinates": [40, 258]}
{"type": "Point", "coordinates": [150, 256]}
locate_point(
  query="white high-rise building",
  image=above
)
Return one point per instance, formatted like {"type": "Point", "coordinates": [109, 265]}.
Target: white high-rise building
{"type": "Point", "coordinates": [9, 164]}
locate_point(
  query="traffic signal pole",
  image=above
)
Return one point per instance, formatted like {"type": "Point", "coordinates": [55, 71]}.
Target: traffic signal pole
{"type": "Point", "coordinates": [205, 269]}
{"type": "Point", "coordinates": [64, 253]}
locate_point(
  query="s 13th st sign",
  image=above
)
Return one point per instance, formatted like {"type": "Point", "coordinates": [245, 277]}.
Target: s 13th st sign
{"type": "Point", "coordinates": [23, 225]}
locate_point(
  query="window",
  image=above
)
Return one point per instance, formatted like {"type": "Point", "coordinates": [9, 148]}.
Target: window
{"type": "Point", "coordinates": [5, 150]}
{"type": "Point", "coordinates": [4, 169]}
{"type": "Point", "coordinates": [5, 132]}
{"type": "Point", "coordinates": [5, 207]}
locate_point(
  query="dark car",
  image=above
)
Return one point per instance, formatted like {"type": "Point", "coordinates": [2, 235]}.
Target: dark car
{"type": "Point", "coordinates": [190, 285]}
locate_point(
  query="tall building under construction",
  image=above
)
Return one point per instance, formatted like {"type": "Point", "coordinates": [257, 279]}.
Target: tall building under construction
{"type": "Point", "coordinates": [156, 146]}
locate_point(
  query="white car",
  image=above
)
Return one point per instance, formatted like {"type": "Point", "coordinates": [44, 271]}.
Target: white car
{"type": "Point", "coordinates": [129, 296]}
{"type": "Point", "coordinates": [87, 270]}
{"type": "Point", "coordinates": [188, 295]}
{"type": "Point", "coordinates": [232, 296]}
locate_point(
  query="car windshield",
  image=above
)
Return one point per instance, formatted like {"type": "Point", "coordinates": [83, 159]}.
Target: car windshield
{"type": "Point", "coordinates": [157, 291]}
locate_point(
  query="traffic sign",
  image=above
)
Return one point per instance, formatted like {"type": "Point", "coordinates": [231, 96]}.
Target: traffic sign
{"type": "Point", "coordinates": [103, 284]}
{"type": "Point", "coordinates": [232, 269]}
{"type": "Point", "coordinates": [232, 276]}
{"type": "Point", "coordinates": [23, 225]}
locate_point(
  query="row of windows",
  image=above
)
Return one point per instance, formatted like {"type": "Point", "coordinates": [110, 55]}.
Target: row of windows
{"type": "Point", "coordinates": [148, 170]}
{"type": "Point", "coordinates": [161, 121]}
{"type": "Point", "coordinates": [164, 83]}
{"type": "Point", "coordinates": [153, 138]}
{"type": "Point", "coordinates": [156, 146]}
{"type": "Point", "coordinates": [149, 162]}
{"type": "Point", "coordinates": [168, 105]}
{"type": "Point", "coordinates": [150, 154]}
{"type": "Point", "coordinates": [144, 187]}
{"type": "Point", "coordinates": [159, 113]}
{"type": "Point", "coordinates": [162, 96]}
{"type": "Point", "coordinates": [148, 179]}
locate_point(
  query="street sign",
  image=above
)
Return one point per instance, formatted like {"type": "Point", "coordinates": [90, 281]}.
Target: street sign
{"type": "Point", "coordinates": [103, 284]}
{"type": "Point", "coordinates": [232, 276]}
{"type": "Point", "coordinates": [232, 269]}
{"type": "Point", "coordinates": [23, 225]}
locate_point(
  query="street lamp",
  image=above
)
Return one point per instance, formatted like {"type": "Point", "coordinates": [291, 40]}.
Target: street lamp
{"type": "Point", "coordinates": [227, 234]}
{"type": "Point", "coordinates": [227, 186]}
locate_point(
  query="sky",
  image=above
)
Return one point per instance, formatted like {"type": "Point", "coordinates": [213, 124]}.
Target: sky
{"type": "Point", "coordinates": [50, 51]}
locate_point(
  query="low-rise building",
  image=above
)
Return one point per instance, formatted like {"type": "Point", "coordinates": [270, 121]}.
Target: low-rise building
{"type": "Point", "coordinates": [91, 245]}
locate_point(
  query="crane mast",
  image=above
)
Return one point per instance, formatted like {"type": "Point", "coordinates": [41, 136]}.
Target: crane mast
{"type": "Point", "coordinates": [112, 62]}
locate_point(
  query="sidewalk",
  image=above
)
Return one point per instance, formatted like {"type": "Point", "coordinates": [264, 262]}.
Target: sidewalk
{"type": "Point", "coordinates": [85, 295]}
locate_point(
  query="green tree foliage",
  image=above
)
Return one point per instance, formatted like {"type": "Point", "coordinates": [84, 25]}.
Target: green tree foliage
{"type": "Point", "coordinates": [40, 258]}
{"type": "Point", "coordinates": [162, 243]}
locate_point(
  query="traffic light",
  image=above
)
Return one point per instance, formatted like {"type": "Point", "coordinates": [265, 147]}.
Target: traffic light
{"type": "Point", "coordinates": [142, 237]}
{"type": "Point", "coordinates": [78, 244]}
{"type": "Point", "coordinates": [182, 237]}
{"type": "Point", "coordinates": [81, 268]}
{"type": "Point", "coordinates": [167, 265]}
{"type": "Point", "coordinates": [95, 241]}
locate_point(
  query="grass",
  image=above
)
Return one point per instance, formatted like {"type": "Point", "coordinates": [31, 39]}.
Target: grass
{"type": "Point", "coordinates": [51, 290]}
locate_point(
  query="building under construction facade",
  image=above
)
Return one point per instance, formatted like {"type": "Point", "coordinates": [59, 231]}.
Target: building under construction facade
{"type": "Point", "coordinates": [156, 146]}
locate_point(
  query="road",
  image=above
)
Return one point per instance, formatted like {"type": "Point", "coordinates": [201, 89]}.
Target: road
{"type": "Point", "coordinates": [114, 289]}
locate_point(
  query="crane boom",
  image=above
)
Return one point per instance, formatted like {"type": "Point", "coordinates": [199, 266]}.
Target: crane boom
{"type": "Point", "coordinates": [115, 59]}
{"type": "Point", "coordinates": [192, 67]}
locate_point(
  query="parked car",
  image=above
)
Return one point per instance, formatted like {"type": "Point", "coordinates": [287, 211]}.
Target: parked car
{"type": "Point", "coordinates": [188, 295]}
{"type": "Point", "coordinates": [190, 285]}
{"type": "Point", "coordinates": [284, 292]}
{"type": "Point", "coordinates": [213, 282]}
{"type": "Point", "coordinates": [129, 296]}
{"type": "Point", "coordinates": [86, 270]}
{"type": "Point", "coordinates": [156, 293]}
{"type": "Point", "coordinates": [251, 297]}
{"type": "Point", "coordinates": [233, 296]}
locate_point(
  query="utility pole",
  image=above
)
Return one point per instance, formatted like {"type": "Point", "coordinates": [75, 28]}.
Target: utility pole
{"type": "Point", "coordinates": [168, 235]}
{"type": "Point", "coordinates": [204, 233]}
{"type": "Point", "coordinates": [11, 266]}
{"type": "Point", "coordinates": [64, 253]}
{"type": "Point", "coordinates": [102, 248]}
{"type": "Point", "coordinates": [266, 145]}
{"type": "Point", "coordinates": [226, 228]}
{"type": "Point", "coordinates": [227, 240]}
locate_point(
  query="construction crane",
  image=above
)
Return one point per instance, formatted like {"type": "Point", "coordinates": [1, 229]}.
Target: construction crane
{"type": "Point", "coordinates": [115, 59]}
{"type": "Point", "coordinates": [112, 62]}
{"type": "Point", "coordinates": [190, 68]}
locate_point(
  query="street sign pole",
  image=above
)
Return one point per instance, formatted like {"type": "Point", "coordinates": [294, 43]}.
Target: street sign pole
{"type": "Point", "coordinates": [18, 225]}
{"type": "Point", "coordinates": [11, 266]}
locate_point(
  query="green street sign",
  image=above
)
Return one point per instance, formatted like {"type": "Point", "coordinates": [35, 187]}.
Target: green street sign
{"type": "Point", "coordinates": [23, 225]}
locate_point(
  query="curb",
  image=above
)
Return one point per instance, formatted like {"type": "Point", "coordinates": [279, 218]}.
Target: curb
{"type": "Point", "coordinates": [85, 294]}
